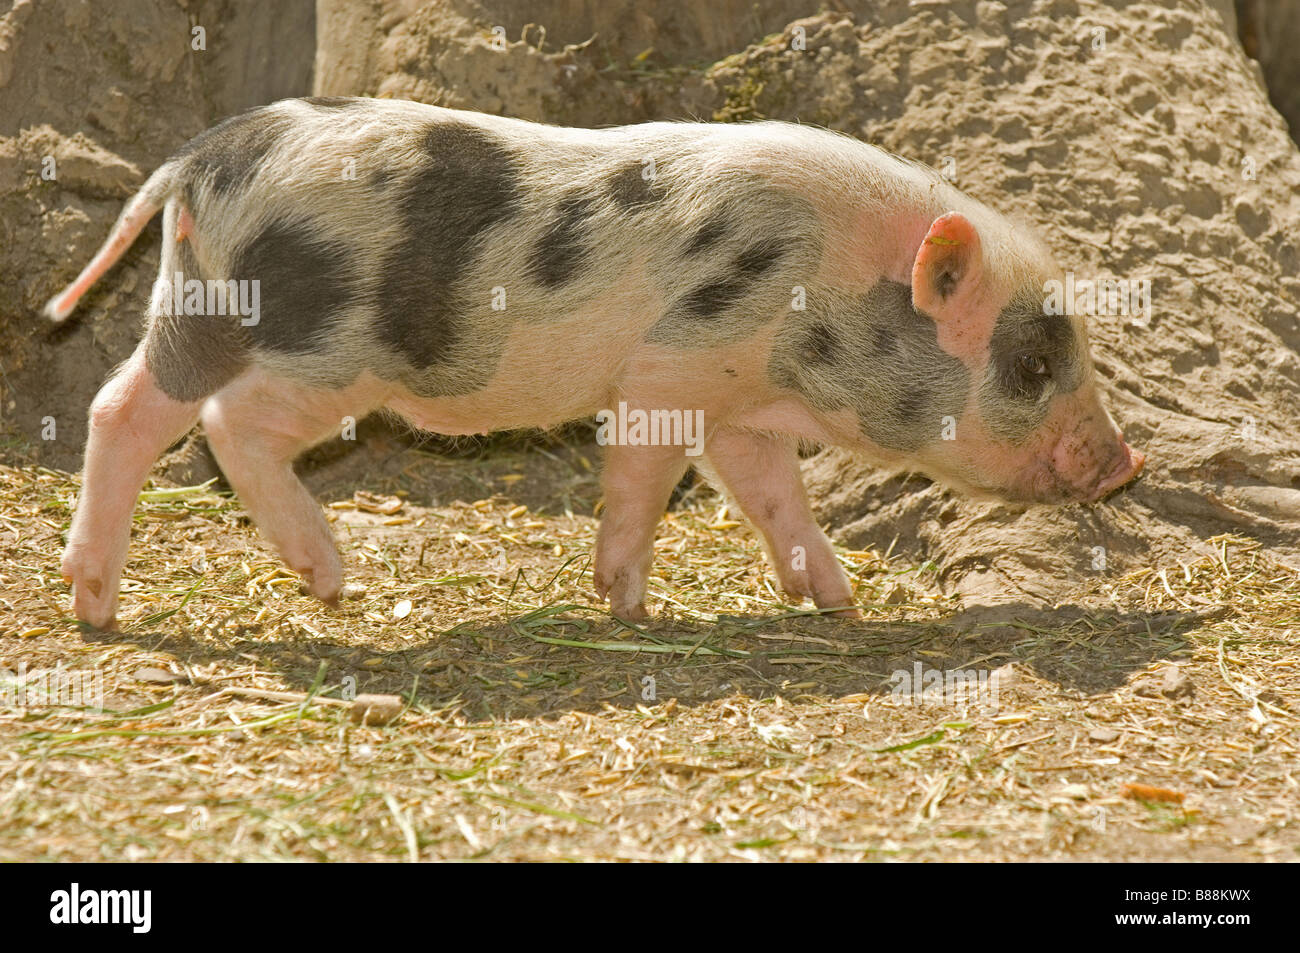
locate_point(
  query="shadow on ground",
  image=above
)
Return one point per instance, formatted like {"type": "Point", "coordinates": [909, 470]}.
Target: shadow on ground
{"type": "Point", "coordinates": [535, 664]}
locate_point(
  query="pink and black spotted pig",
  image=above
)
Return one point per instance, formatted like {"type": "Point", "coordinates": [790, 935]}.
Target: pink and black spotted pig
{"type": "Point", "coordinates": [475, 273]}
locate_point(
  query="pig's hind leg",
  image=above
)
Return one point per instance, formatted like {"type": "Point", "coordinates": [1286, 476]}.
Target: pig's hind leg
{"type": "Point", "coordinates": [132, 421]}
{"type": "Point", "coordinates": [257, 426]}
{"type": "Point", "coordinates": [148, 404]}
{"type": "Point", "coordinates": [761, 472]}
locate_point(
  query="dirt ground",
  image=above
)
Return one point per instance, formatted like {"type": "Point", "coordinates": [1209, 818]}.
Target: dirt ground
{"type": "Point", "coordinates": [732, 727]}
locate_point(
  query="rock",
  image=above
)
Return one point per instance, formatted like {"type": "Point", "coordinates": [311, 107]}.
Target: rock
{"type": "Point", "coordinates": [1176, 684]}
{"type": "Point", "coordinates": [1146, 687]}
{"type": "Point", "coordinates": [157, 676]}
{"type": "Point", "coordinates": [376, 709]}
{"type": "Point", "coordinates": [108, 92]}
{"type": "Point", "coordinates": [1103, 735]}
{"type": "Point", "coordinates": [895, 595]}
{"type": "Point", "coordinates": [1004, 677]}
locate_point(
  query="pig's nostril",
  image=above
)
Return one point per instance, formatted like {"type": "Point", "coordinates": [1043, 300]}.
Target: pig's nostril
{"type": "Point", "coordinates": [1128, 465]}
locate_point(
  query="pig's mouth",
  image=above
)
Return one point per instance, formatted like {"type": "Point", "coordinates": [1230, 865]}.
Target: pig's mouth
{"type": "Point", "coordinates": [1058, 488]}
{"type": "Point", "coordinates": [1047, 485]}
{"type": "Point", "coordinates": [1125, 471]}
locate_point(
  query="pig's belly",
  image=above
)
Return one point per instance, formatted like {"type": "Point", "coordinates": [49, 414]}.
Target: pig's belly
{"type": "Point", "coordinates": [548, 377]}
{"type": "Point", "coordinates": [502, 405]}
{"type": "Point", "coordinates": [545, 376]}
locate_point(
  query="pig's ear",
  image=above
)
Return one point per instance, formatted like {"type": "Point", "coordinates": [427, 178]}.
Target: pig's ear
{"type": "Point", "coordinates": [947, 264]}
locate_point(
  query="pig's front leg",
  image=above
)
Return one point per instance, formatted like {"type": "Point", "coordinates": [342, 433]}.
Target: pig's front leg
{"type": "Point", "coordinates": [638, 482]}
{"type": "Point", "coordinates": [761, 472]}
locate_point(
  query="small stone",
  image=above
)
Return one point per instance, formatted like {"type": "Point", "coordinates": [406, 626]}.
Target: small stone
{"type": "Point", "coordinates": [1176, 684]}
{"type": "Point", "coordinates": [352, 590]}
{"type": "Point", "coordinates": [376, 709]}
{"type": "Point", "coordinates": [376, 503]}
{"type": "Point", "coordinates": [1003, 677]}
{"type": "Point", "coordinates": [156, 676]}
{"type": "Point", "coordinates": [402, 609]}
{"type": "Point", "coordinates": [1078, 792]}
{"type": "Point", "coordinates": [1103, 735]}
{"type": "Point", "coordinates": [1146, 687]}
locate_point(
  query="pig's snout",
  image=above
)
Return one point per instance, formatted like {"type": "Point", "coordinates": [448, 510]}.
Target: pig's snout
{"type": "Point", "coordinates": [1088, 475]}
{"type": "Point", "coordinates": [1127, 468]}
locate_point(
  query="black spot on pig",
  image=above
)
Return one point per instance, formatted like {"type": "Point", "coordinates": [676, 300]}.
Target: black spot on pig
{"type": "Point", "coordinates": [563, 249]}
{"type": "Point", "coordinates": [819, 346]}
{"type": "Point", "coordinates": [630, 190]}
{"type": "Point", "coordinates": [709, 301]}
{"type": "Point", "coordinates": [758, 258]}
{"type": "Point", "coordinates": [883, 341]}
{"type": "Point", "coordinates": [708, 235]}
{"type": "Point", "coordinates": [464, 183]}
{"type": "Point", "coordinates": [731, 304]}
{"type": "Point", "coordinates": [741, 256]}
{"type": "Point", "coordinates": [1013, 398]}
{"type": "Point", "coordinates": [228, 155]}
{"type": "Point", "coordinates": [1025, 328]}
{"type": "Point", "coordinates": [192, 357]}
{"type": "Point", "coordinates": [876, 355]}
{"type": "Point", "coordinates": [305, 282]}
{"type": "Point", "coordinates": [911, 405]}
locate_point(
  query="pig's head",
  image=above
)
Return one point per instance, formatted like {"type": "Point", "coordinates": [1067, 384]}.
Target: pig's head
{"type": "Point", "coordinates": [1033, 427]}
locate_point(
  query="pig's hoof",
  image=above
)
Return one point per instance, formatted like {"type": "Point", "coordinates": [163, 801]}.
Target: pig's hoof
{"type": "Point", "coordinates": [625, 590]}
{"type": "Point", "coordinates": [323, 583]}
{"type": "Point", "coordinates": [635, 613]}
{"type": "Point", "coordinates": [839, 606]}
{"type": "Point", "coordinates": [852, 612]}
{"type": "Point", "coordinates": [94, 601]}
{"type": "Point", "coordinates": [90, 606]}
{"type": "Point", "coordinates": [332, 600]}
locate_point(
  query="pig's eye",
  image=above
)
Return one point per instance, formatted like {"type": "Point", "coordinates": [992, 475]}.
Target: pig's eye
{"type": "Point", "coordinates": [1032, 365]}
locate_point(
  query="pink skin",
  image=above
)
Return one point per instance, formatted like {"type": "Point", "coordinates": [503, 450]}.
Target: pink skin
{"type": "Point", "coordinates": [761, 472]}
{"type": "Point", "coordinates": [1076, 455]}
{"type": "Point", "coordinates": [637, 482]}
{"type": "Point", "coordinates": [257, 426]}
{"type": "Point", "coordinates": [131, 423]}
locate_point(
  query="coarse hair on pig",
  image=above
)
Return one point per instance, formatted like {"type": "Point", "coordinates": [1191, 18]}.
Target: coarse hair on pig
{"type": "Point", "coordinates": [474, 273]}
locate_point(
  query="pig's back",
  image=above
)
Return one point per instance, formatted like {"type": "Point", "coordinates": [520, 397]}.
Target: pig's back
{"type": "Point", "coordinates": [443, 250]}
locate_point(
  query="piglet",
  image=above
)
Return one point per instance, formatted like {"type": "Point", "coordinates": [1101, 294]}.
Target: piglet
{"type": "Point", "coordinates": [712, 294]}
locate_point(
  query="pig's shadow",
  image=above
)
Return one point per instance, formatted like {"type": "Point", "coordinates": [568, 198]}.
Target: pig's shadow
{"type": "Point", "coordinates": [505, 670]}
